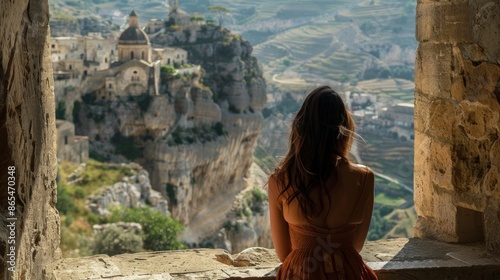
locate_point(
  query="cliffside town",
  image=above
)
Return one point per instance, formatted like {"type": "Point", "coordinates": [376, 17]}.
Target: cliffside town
{"type": "Point", "coordinates": [183, 99]}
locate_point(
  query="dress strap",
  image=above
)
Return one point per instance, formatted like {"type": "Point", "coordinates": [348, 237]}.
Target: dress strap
{"type": "Point", "coordinates": [360, 195]}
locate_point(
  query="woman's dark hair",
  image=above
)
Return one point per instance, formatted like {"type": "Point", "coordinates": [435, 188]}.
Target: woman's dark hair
{"type": "Point", "coordinates": [320, 138]}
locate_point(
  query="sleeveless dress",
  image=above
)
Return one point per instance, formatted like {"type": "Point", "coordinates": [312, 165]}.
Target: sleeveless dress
{"type": "Point", "coordinates": [319, 254]}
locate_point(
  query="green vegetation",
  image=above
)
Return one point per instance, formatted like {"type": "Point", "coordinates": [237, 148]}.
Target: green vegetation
{"type": "Point", "coordinates": [144, 102]}
{"type": "Point", "coordinates": [201, 134]}
{"type": "Point", "coordinates": [252, 203]}
{"type": "Point", "coordinates": [125, 145]}
{"type": "Point", "coordinates": [171, 190]}
{"type": "Point", "coordinates": [76, 219]}
{"type": "Point", "coordinates": [61, 110]}
{"type": "Point", "coordinates": [76, 112]}
{"type": "Point", "coordinates": [159, 231]}
{"type": "Point", "coordinates": [115, 240]}
{"type": "Point", "coordinates": [220, 13]}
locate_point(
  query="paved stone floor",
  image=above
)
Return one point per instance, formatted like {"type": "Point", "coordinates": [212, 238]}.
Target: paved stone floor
{"type": "Point", "coordinates": [393, 259]}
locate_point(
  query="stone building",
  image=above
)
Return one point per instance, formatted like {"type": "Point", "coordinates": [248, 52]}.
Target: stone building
{"type": "Point", "coordinates": [176, 15]}
{"type": "Point", "coordinates": [171, 56]}
{"type": "Point", "coordinates": [71, 147]}
{"type": "Point", "coordinates": [400, 114]}
{"type": "Point", "coordinates": [154, 25]}
{"type": "Point", "coordinates": [80, 56]}
{"type": "Point", "coordinates": [135, 73]}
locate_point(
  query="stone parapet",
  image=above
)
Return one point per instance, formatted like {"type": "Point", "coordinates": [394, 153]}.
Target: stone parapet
{"type": "Point", "coordinates": [391, 259]}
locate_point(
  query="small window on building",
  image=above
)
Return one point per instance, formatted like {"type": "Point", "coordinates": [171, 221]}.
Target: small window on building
{"type": "Point", "coordinates": [142, 55]}
{"type": "Point", "coordinates": [112, 52]}
{"type": "Point", "coordinates": [110, 86]}
{"type": "Point", "coordinates": [177, 55]}
{"type": "Point", "coordinates": [132, 55]}
{"type": "Point", "coordinates": [70, 67]}
{"type": "Point", "coordinates": [109, 93]}
{"type": "Point", "coordinates": [135, 72]}
{"type": "Point", "coordinates": [65, 140]}
{"type": "Point", "coordinates": [106, 59]}
{"type": "Point", "coordinates": [168, 61]}
{"type": "Point", "coordinates": [53, 46]}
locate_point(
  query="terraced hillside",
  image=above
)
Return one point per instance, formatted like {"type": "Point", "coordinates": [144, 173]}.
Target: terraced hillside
{"type": "Point", "coordinates": [361, 46]}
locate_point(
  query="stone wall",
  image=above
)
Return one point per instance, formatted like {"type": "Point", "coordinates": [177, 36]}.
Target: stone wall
{"type": "Point", "coordinates": [457, 128]}
{"type": "Point", "coordinates": [27, 139]}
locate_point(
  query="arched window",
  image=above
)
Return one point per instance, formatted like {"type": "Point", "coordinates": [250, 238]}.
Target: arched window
{"type": "Point", "coordinates": [131, 54]}
{"type": "Point", "coordinates": [142, 54]}
{"type": "Point", "coordinates": [110, 86]}
{"type": "Point", "coordinates": [70, 67]}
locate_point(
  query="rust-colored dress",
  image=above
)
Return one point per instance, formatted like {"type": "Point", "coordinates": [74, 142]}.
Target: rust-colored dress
{"type": "Point", "coordinates": [319, 254]}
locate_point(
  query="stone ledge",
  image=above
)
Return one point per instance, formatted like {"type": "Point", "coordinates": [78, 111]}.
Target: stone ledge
{"type": "Point", "coordinates": [391, 259]}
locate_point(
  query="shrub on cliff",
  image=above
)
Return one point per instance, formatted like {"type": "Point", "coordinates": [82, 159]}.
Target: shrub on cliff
{"type": "Point", "coordinates": [159, 231]}
{"type": "Point", "coordinates": [115, 240]}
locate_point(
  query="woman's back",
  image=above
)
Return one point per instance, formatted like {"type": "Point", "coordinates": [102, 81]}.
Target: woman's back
{"type": "Point", "coordinates": [343, 200]}
{"type": "Point", "coordinates": [320, 205]}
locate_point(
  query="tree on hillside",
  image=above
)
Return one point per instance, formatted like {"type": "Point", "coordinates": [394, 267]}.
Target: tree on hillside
{"type": "Point", "coordinates": [220, 12]}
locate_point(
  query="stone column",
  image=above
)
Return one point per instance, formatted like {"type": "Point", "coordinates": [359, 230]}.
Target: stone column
{"type": "Point", "coordinates": [27, 141]}
{"type": "Point", "coordinates": [457, 121]}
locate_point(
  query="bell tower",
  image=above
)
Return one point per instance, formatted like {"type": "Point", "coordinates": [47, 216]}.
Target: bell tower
{"type": "Point", "coordinates": [173, 5]}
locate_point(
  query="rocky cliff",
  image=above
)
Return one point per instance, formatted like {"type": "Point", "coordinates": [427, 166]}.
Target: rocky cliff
{"type": "Point", "coordinates": [29, 235]}
{"type": "Point", "coordinates": [196, 138]}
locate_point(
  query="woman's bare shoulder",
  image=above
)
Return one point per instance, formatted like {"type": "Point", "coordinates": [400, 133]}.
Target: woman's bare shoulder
{"type": "Point", "coordinates": [359, 169]}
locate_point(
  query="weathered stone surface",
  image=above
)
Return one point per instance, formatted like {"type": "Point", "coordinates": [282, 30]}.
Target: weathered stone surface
{"type": "Point", "coordinates": [444, 21]}
{"type": "Point", "coordinates": [133, 192]}
{"type": "Point", "coordinates": [27, 139]}
{"type": "Point", "coordinates": [457, 78]}
{"type": "Point", "coordinates": [391, 259]}
{"type": "Point", "coordinates": [430, 77]}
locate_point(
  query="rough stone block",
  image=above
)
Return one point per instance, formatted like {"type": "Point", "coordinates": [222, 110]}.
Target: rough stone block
{"type": "Point", "coordinates": [478, 120]}
{"type": "Point", "coordinates": [486, 26]}
{"type": "Point", "coordinates": [441, 119]}
{"type": "Point", "coordinates": [422, 112]}
{"type": "Point", "coordinates": [492, 225]}
{"type": "Point", "coordinates": [430, 77]}
{"type": "Point", "coordinates": [444, 22]}
{"type": "Point", "coordinates": [423, 195]}
{"type": "Point", "coordinates": [495, 154]}
{"type": "Point", "coordinates": [491, 183]}
{"type": "Point", "coordinates": [440, 165]}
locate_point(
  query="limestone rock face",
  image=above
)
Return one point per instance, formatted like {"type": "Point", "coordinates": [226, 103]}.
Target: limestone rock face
{"type": "Point", "coordinates": [457, 113]}
{"type": "Point", "coordinates": [196, 139]}
{"type": "Point", "coordinates": [27, 140]}
{"type": "Point", "coordinates": [132, 192]}
{"type": "Point", "coordinates": [233, 74]}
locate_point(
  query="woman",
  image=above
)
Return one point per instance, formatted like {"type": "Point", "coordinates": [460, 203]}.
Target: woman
{"type": "Point", "coordinates": [320, 203]}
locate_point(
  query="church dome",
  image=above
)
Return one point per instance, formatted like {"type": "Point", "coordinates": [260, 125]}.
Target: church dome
{"type": "Point", "coordinates": [133, 36]}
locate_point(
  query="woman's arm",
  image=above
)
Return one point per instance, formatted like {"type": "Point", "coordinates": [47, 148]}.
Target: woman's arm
{"type": "Point", "coordinates": [279, 226]}
{"type": "Point", "coordinates": [362, 230]}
